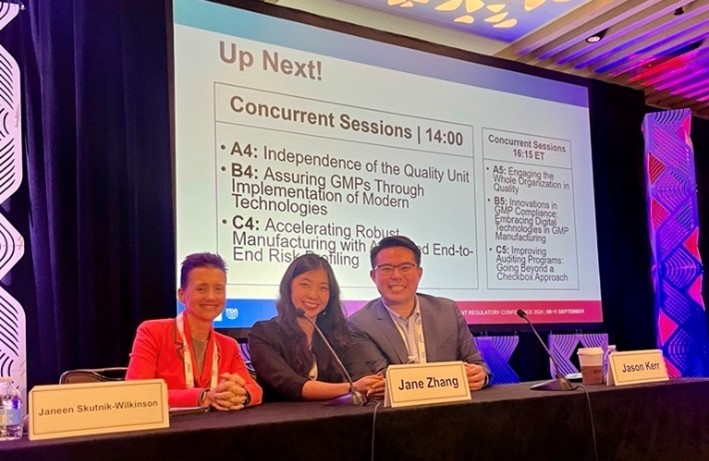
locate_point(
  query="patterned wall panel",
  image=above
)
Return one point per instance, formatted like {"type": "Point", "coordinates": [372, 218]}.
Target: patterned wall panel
{"type": "Point", "coordinates": [12, 315]}
{"type": "Point", "coordinates": [246, 355]}
{"type": "Point", "coordinates": [496, 351]}
{"type": "Point", "coordinates": [674, 228]}
{"type": "Point", "coordinates": [562, 347]}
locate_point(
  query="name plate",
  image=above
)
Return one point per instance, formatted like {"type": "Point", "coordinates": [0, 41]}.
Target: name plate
{"type": "Point", "coordinates": [636, 367]}
{"type": "Point", "coordinates": [425, 383]}
{"type": "Point", "coordinates": [69, 410]}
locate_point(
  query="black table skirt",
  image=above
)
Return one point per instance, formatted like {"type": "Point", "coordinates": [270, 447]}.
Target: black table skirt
{"type": "Point", "coordinates": [664, 421]}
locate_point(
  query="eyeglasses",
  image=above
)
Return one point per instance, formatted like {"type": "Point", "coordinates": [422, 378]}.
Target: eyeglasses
{"type": "Point", "coordinates": [388, 269]}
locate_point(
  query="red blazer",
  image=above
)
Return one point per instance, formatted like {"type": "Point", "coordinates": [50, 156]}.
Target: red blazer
{"type": "Point", "coordinates": [158, 353]}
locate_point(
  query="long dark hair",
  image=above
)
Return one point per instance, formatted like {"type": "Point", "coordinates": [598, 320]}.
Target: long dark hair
{"type": "Point", "coordinates": [331, 320]}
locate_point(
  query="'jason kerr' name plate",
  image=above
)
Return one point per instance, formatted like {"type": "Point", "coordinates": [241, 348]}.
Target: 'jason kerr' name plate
{"type": "Point", "coordinates": [636, 367]}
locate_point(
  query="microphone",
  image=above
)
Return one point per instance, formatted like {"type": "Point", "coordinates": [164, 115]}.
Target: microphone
{"type": "Point", "coordinates": [558, 384]}
{"type": "Point", "coordinates": [353, 397]}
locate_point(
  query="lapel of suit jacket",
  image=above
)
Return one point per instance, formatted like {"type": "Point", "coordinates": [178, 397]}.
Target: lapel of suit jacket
{"type": "Point", "coordinates": [431, 330]}
{"type": "Point", "coordinates": [391, 333]}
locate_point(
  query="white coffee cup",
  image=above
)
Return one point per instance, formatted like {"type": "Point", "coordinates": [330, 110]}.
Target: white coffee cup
{"type": "Point", "coordinates": [591, 361]}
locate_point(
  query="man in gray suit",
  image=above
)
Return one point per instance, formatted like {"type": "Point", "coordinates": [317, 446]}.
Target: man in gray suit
{"type": "Point", "coordinates": [408, 327]}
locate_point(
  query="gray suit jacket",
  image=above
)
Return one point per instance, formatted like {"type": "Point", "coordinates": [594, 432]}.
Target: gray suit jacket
{"type": "Point", "coordinates": [445, 331]}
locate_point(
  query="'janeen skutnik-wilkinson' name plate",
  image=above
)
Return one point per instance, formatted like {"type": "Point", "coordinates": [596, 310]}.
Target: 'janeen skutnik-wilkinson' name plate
{"type": "Point", "coordinates": [69, 410]}
{"type": "Point", "coordinates": [424, 383]}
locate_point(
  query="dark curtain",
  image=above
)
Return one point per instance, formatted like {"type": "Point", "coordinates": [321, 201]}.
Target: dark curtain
{"type": "Point", "coordinates": [624, 253]}
{"type": "Point", "coordinates": [700, 141]}
{"type": "Point", "coordinates": [96, 203]}
{"type": "Point", "coordinates": [621, 215]}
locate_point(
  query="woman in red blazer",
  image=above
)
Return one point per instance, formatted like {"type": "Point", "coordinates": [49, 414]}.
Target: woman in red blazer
{"type": "Point", "coordinates": [200, 366]}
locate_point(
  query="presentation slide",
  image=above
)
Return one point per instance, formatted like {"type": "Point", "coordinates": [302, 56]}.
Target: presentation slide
{"type": "Point", "coordinates": [291, 138]}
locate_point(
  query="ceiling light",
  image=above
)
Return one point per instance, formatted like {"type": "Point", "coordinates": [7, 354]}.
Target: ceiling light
{"type": "Point", "coordinates": [449, 5]}
{"type": "Point", "coordinates": [472, 6]}
{"type": "Point", "coordinates": [465, 19]}
{"type": "Point", "coordinates": [497, 17]}
{"type": "Point", "coordinates": [597, 37]}
{"type": "Point", "coordinates": [529, 5]}
{"type": "Point", "coordinates": [497, 7]}
{"type": "Point", "coordinates": [505, 24]}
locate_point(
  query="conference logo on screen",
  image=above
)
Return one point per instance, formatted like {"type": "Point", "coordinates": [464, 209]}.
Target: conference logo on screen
{"type": "Point", "coordinates": [232, 313]}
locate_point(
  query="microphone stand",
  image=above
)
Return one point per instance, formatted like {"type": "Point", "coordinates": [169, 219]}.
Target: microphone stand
{"type": "Point", "coordinates": [558, 384]}
{"type": "Point", "coordinates": [353, 397]}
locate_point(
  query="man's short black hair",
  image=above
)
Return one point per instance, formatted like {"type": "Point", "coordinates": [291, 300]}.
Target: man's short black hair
{"type": "Point", "coordinates": [395, 241]}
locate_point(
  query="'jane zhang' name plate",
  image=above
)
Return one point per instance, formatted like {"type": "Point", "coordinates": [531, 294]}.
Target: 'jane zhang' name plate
{"type": "Point", "coordinates": [69, 410]}
{"type": "Point", "coordinates": [636, 367]}
{"type": "Point", "coordinates": [425, 383]}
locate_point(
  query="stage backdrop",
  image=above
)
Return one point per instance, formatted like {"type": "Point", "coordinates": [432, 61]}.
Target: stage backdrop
{"type": "Point", "coordinates": [97, 202]}
{"type": "Point", "coordinates": [674, 230]}
{"type": "Point", "coordinates": [13, 355]}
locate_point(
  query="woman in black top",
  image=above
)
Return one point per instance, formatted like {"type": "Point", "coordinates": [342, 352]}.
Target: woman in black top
{"type": "Point", "coordinates": [291, 360]}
